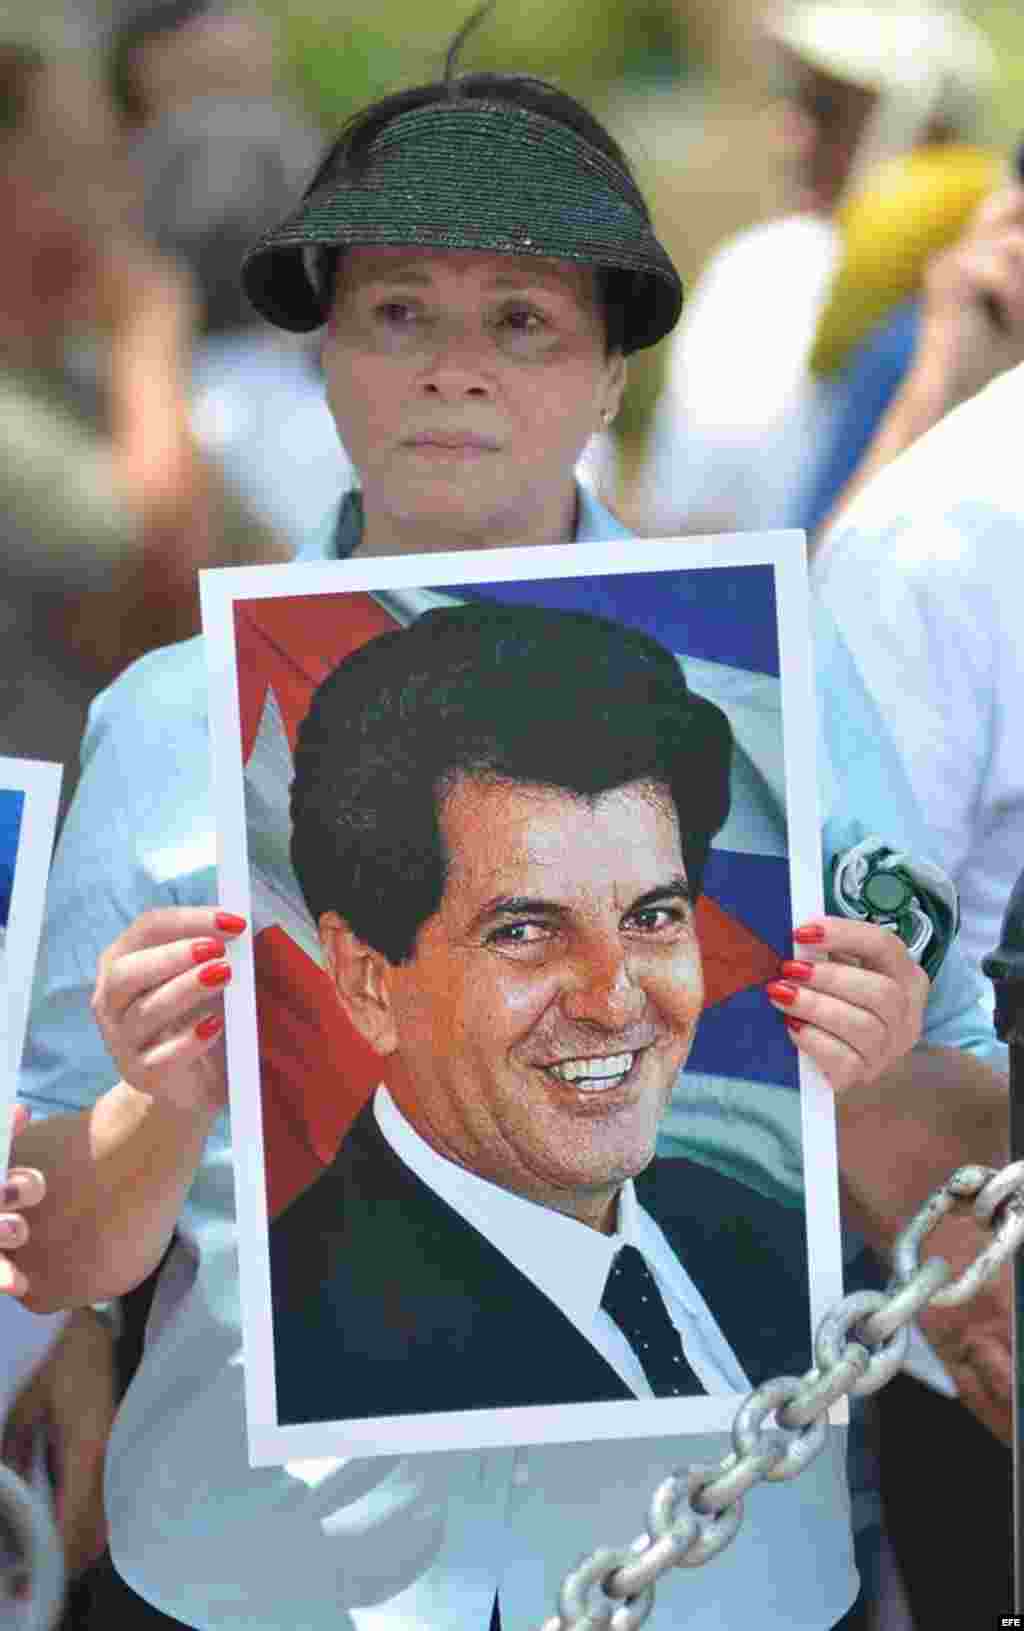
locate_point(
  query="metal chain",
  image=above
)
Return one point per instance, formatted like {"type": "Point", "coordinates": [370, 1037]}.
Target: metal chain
{"type": "Point", "coordinates": [860, 1345]}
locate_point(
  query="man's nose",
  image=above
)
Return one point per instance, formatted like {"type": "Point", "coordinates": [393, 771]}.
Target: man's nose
{"type": "Point", "coordinates": [603, 989]}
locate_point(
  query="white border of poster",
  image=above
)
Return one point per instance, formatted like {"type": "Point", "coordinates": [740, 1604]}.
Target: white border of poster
{"type": "Point", "coordinates": [269, 1442]}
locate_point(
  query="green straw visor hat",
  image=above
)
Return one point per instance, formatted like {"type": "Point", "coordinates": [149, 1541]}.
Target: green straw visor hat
{"type": "Point", "coordinates": [472, 174]}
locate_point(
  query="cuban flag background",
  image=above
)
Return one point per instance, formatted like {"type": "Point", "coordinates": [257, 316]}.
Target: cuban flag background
{"type": "Point", "coordinates": [12, 804]}
{"type": "Point", "coordinates": [29, 791]}
{"type": "Point", "coordinates": [742, 1074]}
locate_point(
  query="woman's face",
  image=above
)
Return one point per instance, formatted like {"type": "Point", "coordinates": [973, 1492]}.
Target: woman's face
{"type": "Point", "coordinates": [465, 385]}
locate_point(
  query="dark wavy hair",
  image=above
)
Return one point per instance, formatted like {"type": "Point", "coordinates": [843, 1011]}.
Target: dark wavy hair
{"type": "Point", "coordinates": [524, 694]}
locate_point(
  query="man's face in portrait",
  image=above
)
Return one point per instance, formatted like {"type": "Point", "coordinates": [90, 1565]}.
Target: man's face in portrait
{"type": "Point", "coordinates": [535, 1035]}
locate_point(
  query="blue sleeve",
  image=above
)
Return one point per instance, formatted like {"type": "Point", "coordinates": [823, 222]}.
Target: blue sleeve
{"type": "Point", "coordinates": [867, 386]}
{"type": "Point", "coordinates": [139, 834]}
{"type": "Point", "coordinates": [870, 793]}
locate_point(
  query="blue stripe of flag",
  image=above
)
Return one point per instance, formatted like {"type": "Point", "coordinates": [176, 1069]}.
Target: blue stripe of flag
{"type": "Point", "coordinates": [12, 803]}
{"type": "Point", "coordinates": [744, 1036]}
{"type": "Point", "coordinates": [722, 614]}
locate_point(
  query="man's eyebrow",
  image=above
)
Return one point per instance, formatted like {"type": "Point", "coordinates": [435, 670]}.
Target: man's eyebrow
{"type": "Point", "coordinates": [518, 906]}
{"type": "Point", "coordinates": [676, 889]}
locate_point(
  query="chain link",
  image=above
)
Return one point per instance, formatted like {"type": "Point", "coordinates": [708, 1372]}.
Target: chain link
{"type": "Point", "coordinates": [859, 1346]}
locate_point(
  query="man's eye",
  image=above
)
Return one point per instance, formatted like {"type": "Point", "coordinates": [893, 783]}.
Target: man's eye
{"type": "Point", "coordinates": [518, 934]}
{"type": "Point", "coordinates": [657, 919]}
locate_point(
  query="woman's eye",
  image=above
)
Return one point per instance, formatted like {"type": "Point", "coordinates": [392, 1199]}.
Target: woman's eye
{"type": "Point", "coordinates": [395, 311]}
{"type": "Point", "coordinates": [525, 323]}
{"type": "Point", "coordinates": [524, 320]}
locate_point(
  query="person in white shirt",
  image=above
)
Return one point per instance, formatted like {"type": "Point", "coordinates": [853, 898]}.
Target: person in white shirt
{"type": "Point", "coordinates": [937, 534]}
{"type": "Point", "coordinates": [740, 411]}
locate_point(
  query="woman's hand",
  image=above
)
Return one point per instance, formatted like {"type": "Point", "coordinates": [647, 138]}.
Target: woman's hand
{"type": "Point", "coordinates": [22, 1188]}
{"type": "Point", "coordinates": [159, 1004]}
{"type": "Point", "coordinates": [857, 1008]}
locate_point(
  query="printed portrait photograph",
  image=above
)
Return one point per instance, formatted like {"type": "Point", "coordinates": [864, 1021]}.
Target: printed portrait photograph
{"type": "Point", "coordinates": [29, 791]}
{"type": "Point", "coordinates": [520, 837]}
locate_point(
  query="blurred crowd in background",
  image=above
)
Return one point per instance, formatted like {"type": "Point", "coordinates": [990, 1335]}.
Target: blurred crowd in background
{"type": "Point", "coordinates": [839, 195]}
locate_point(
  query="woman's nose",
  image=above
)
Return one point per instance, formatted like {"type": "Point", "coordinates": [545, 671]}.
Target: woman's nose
{"type": "Point", "coordinates": [458, 365]}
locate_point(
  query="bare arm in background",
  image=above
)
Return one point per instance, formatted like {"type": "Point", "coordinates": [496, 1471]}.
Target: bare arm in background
{"type": "Point", "coordinates": [901, 1137]}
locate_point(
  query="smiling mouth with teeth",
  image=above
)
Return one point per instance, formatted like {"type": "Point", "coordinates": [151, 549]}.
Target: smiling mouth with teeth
{"type": "Point", "coordinates": [594, 1075]}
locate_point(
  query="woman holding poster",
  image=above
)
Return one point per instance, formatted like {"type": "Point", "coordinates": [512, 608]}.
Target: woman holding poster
{"type": "Point", "coordinates": [484, 263]}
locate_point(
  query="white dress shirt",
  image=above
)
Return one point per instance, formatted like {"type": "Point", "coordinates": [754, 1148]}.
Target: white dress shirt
{"type": "Point", "coordinates": [923, 574]}
{"type": "Point", "coordinates": [570, 1262]}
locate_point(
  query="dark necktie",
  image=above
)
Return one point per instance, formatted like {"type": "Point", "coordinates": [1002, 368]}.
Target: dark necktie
{"type": "Point", "coordinates": [634, 1302]}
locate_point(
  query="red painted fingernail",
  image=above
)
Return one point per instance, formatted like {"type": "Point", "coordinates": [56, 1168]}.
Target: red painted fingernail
{"type": "Point", "coordinates": [792, 1023]}
{"type": "Point", "coordinates": [780, 992]}
{"type": "Point", "coordinates": [809, 934]}
{"type": "Point", "coordinates": [229, 923]}
{"type": "Point", "coordinates": [796, 971]}
{"type": "Point", "coordinates": [204, 950]}
{"type": "Point", "coordinates": [209, 1027]}
{"type": "Point", "coordinates": [215, 974]}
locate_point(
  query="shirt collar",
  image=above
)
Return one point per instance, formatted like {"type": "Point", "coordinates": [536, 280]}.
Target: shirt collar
{"type": "Point", "coordinates": [566, 1260]}
{"type": "Point", "coordinates": [339, 534]}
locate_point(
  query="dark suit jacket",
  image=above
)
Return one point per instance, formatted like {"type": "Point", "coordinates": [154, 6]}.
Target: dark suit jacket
{"type": "Point", "coordinates": [386, 1302]}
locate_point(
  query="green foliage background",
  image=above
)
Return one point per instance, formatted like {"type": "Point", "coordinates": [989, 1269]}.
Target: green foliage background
{"type": "Point", "coordinates": [1003, 22]}
{"type": "Point", "coordinates": [339, 56]}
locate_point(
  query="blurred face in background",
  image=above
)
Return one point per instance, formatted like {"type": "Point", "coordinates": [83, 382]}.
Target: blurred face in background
{"type": "Point", "coordinates": [223, 53]}
{"type": "Point", "coordinates": [821, 123]}
{"type": "Point", "coordinates": [63, 189]}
